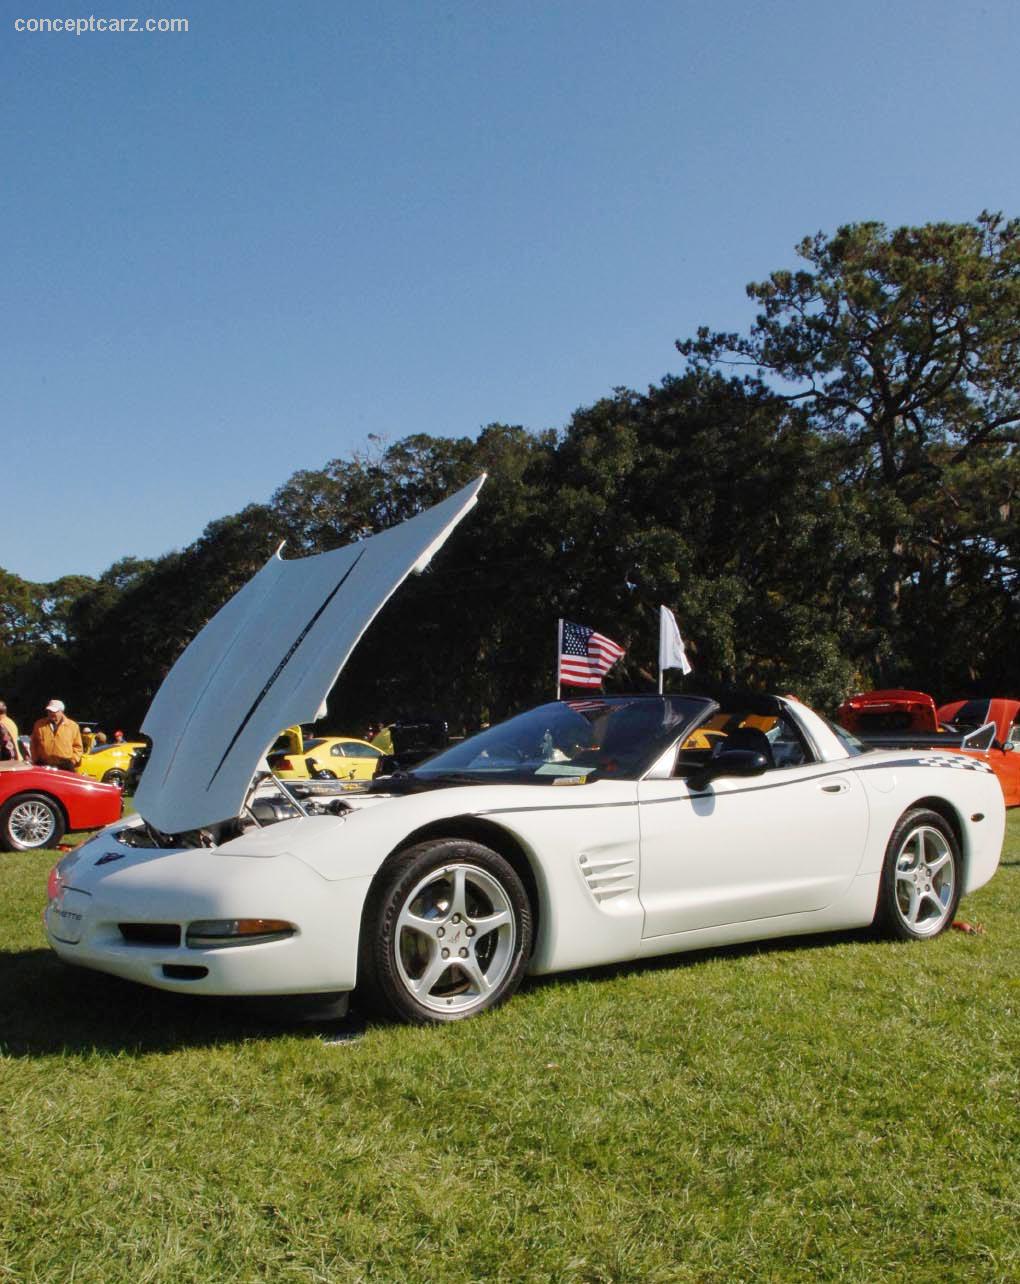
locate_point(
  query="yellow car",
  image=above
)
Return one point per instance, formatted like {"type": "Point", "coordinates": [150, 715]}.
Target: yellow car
{"type": "Point", "coordinates": [109, 762]}
{"type": "Point", "coordinates": [331, 757]}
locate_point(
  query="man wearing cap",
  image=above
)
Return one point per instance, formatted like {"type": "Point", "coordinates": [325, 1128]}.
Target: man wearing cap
{"type": "Point", "coordinates": [10, 750]}
{"type": "Point", "coordinates": [56, 740]}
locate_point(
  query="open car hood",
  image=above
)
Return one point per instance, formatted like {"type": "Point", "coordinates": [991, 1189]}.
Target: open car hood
{"type": "Point", "coordinates": [268, 659]}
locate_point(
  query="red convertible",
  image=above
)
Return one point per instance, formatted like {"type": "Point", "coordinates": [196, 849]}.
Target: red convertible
{"type": "Point", "coordinates": [982, 728]}
{"type": "Point", "coordinates": [39, 804]}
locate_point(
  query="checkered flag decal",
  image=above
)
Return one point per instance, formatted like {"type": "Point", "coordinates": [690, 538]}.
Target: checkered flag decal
{"type": "Point", "coordinates": [959, 761]}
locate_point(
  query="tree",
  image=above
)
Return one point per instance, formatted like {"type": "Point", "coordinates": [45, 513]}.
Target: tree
{"type": "Point", "coordinates": [903, 347]}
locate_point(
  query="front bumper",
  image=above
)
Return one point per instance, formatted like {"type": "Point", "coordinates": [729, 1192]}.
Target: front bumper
{"type": "Point", "coordinates": [163, 889]}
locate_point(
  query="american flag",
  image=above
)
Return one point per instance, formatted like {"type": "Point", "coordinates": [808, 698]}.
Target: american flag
{"type": "Point", "coordinates": [585, 656]}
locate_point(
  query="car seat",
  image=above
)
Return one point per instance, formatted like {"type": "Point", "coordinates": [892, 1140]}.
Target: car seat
{"type": "Point", "coordinates": [746, 738]}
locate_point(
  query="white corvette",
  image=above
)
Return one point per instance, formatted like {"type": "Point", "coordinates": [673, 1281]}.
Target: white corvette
{"type": "Point", "coordinates": [584, 832]}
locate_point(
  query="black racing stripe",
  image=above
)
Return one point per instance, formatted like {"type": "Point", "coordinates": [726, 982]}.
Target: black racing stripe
{"type": "Point", "coordinates": [280, 668]}
{"type": "Point", "coordinates": [512, 811]}
{"type": "Point", "coordinates": [730, 793]}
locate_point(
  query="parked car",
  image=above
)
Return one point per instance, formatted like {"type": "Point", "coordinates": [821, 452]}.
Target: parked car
{"type": "Point", "coordinates": [583, 832]}
{"type": "Point", "coordinates": [38, 805]}
{"type": "Point", "coordinates": [110, 762]}
{"type": "Point", "coordinates": [324, 758]}
{"type": "Point", "coordinates": [986, 729]}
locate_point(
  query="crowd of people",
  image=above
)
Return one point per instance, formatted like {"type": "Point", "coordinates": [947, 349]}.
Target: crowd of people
{"type": "Point", "coordinates": [56, 739]}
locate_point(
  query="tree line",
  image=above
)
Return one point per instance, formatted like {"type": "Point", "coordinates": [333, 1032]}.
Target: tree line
{"type": "Point", "coordinates": [827, 502]}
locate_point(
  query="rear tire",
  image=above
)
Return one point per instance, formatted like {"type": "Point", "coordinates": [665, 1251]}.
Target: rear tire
{"type": "Point", "coordinates": [446, 933]}
{"type": "Point", "coordinates": [922, 878]}
{"type": "Point", "coordinates": [115, 777]}
{"type": "Point", "coordinates": [29, 822]}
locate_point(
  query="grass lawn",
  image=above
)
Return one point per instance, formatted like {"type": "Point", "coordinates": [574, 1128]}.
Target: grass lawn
{"type": "Point", "coordinates": [823, 1109]}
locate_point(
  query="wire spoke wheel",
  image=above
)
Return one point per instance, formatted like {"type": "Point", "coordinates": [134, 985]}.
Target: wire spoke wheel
{"type": "Point", "coordinates": [32, 823]}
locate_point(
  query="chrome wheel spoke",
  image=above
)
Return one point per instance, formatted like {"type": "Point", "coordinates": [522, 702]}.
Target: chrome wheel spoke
{"type": "Point", "coordinates": [458, 902]}
{"type": "Point", "coordinates": [914, 906]}
{"type": "Point", "coordinates": [472, 969]}
{"type": "Point", "coordinates": [418, 923]}
{"type": "Point", "coordinates": [428, 980]}
{"type": "Point", "coordinates": [490, 922]}
{"type": "Point", "coordinates": [939, 862]}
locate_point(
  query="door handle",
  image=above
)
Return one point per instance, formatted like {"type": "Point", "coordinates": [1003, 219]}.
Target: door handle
{"type": "Point", "coordinates": [837, 787]}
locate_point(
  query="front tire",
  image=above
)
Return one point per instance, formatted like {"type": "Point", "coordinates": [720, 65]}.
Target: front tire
{"type": "Point", "coordinates": [115, 777]}
{"type": "Point", "coordinates": [446, 933]}
{"type": "Point", "coordinates": [922, 878]}
{"type": "Point", "coordinates": [31, 821]}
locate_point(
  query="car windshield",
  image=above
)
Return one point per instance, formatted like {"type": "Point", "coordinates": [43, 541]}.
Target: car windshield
{"type": "Point", "coordinates": [609, 736]}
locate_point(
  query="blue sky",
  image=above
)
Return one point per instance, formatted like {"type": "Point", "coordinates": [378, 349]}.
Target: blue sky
{"type": "Point", "coordinates": [236, 252]}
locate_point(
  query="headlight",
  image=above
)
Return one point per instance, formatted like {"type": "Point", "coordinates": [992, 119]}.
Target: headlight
{"type": "Point", "coordinates": [215, 933]}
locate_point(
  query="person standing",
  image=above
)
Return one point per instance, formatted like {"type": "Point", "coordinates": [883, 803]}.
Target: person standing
{"type": "Point", "coordinates": [10, 750]}
{"type": "Point", "coordinates": [56, 740]}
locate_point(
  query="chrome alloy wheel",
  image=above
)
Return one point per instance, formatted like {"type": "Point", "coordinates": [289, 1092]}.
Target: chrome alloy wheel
{"type": "Point", "coordinates": [455, 939]}
{"type": "Point", "coordinates": [925, 880]}
{"type": "Point", "coordinates": [32, 823]}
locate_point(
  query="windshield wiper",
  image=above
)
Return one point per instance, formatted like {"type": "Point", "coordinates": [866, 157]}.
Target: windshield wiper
{"type": "Point", "coordinates": [409, 782]}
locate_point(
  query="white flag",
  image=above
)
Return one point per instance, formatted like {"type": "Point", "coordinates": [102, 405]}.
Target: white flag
{"type": "Point", "coordinates": [672, 654]}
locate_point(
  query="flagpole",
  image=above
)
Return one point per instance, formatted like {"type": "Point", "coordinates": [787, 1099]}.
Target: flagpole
{"type": "Point", "coordinates": [660, 650]}
{"type": "Point", "coordinates": [559, 653]}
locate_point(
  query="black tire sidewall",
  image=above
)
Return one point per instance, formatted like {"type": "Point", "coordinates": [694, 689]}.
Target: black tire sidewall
{"type": "Point", "coordinates": [6, 838]}
{"type": "Point", "coordinates": [887, 917]}
{"type": "Point", "coordinates": [378, 979]}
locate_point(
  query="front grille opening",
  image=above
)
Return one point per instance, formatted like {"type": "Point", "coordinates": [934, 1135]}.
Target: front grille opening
{"type": "Point", "coordinates": [184, 972]}
{"type": "Point", "coordinates": [151, 933]}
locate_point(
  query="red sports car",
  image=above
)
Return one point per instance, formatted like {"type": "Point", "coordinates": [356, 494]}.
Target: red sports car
{"type": "Point", "coordinates": [910, 719]}
{"type": "Point", "coordinates": [39, 804]}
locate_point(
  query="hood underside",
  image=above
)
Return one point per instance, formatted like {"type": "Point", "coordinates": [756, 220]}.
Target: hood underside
{"type": "Point", "coordinates": [267, 660]}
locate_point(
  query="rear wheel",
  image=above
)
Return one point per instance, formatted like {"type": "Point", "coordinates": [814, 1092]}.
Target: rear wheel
{"type": "Point", "coordinates": [115, 777]}
{"type": "Point", "coordinates": [29, 821]}
{"type": "Point", "coordinates": [446, 934]}
{"type": "Point", "coordinates": [922, 877]}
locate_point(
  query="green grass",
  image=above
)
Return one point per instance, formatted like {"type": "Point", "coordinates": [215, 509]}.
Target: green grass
{"type": "Point", "coordinates": [832, 1109]}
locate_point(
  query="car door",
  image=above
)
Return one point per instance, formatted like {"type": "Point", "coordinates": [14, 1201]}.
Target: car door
{"type": "Point", "coordinates": [786, 842]}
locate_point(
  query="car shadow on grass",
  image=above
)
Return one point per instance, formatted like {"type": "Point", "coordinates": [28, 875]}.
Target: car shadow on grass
{"type": "Point", "coordinates": [50, 1008]}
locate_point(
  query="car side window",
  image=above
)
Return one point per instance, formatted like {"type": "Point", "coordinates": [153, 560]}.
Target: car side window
{"type": "Point", "coordinates": [362, 751]}
{"type": "Point", "coordinates": [336, 751]}
{"type": "Point", "coordinates": [774, 735]}
{"type": "Point", "coordinates": [1013, 738]}
{"type": "Point", "coordinates": [788, 747]}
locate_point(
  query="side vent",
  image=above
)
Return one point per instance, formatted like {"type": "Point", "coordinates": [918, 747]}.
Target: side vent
{"type": "Point", "coordinates": [608, 876]}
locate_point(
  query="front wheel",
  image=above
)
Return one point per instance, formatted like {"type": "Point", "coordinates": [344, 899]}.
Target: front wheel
{"type": "Point", "coordinates": [115, 777]}
{"type": "Point", "coordinates": [30, 821]}
{"type": "Point", "coordinates": [446, 933]}
{"type": "Point", "coordinates": [922, 877]}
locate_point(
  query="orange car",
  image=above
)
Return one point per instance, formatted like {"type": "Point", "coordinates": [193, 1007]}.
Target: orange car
{"type": "Point", "coordinates": [988, 729]}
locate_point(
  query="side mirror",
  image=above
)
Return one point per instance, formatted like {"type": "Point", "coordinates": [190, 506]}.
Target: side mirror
{"type": "Point", "coordinates": [729, 762]}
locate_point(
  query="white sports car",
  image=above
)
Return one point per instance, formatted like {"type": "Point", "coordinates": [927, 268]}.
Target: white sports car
{"type": "Point", "coordinates": [583, 832]}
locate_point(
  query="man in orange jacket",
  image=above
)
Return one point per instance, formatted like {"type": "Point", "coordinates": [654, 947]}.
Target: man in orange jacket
{"type": "Point", "coordinates": [56, 740]}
